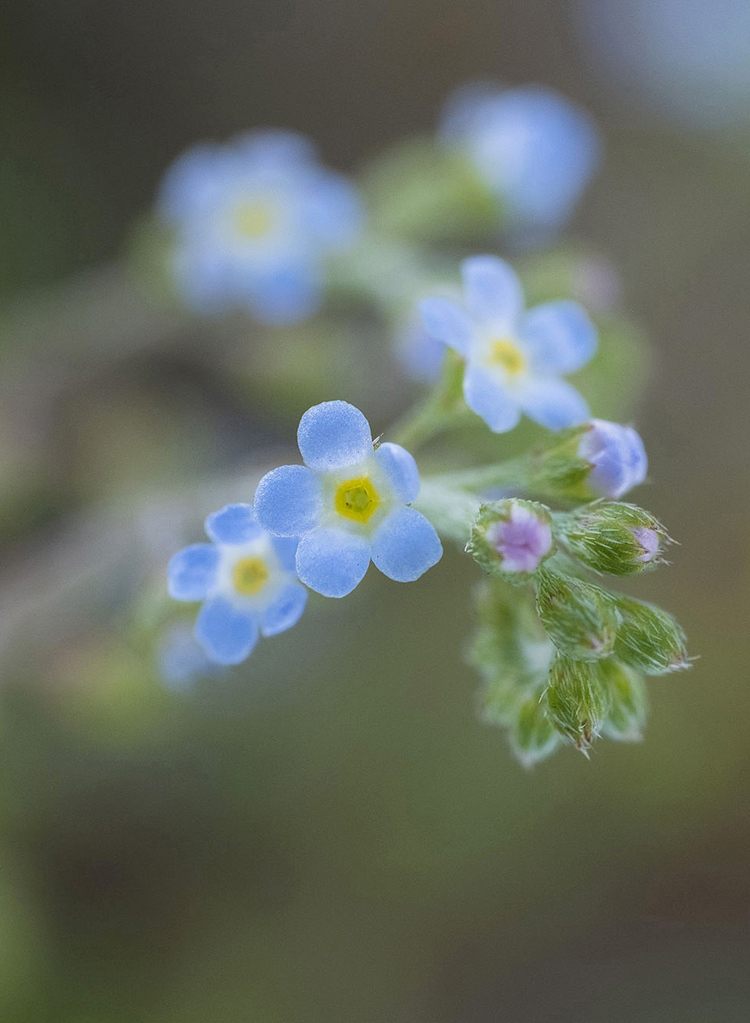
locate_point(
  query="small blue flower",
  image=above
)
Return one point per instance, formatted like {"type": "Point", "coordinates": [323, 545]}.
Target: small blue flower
{"type": "Point", "coordinates": [534, 149]}
{"type": "Point", "coordinates": [514, 359]}
{"type": "Point", "coordinates": [181, 659]}
{"type": "Point", "coordinates": [254, 220]}
{"type": "Point", "coordinates": [348, 504]}
{"type": "Point", "coordinates": [246, 580]}
{"type": "Point", "coordinates": [617, 457]}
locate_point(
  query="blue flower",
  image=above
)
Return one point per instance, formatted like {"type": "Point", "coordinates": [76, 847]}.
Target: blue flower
{"type": "Point", "coordinates": [348, 504]}
{"type": "Point", "coordinates": [181, 659]}
{"type": "Point", "coordinates": [514, 359]}
{"type": "Point", "coordinates": [617, 457]}
{"type": "Point", "coordinates": [246, 580]}
{"type": "Point", "coordinates": [253, 221]}
{"type": "Point", "coordinates": [533, 148]}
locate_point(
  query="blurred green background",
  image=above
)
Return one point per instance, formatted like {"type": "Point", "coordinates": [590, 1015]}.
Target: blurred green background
{"type": "Point", "coordinates": [328, 834]}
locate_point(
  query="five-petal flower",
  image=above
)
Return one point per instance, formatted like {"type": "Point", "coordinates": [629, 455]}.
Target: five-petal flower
{"type": "Point", "coordinates": [253, 222]}
{"type": "Point", "coordinates": [246, 580]}
{"type": "Point", "coordinates": [514, 358]}
{"type": "Point", "coordinates": [349, 503]}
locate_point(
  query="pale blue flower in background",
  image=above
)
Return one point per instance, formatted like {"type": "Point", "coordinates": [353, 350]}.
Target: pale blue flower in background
{"type": "Point", "coordinates": [349, 503]}
{"type": "Point", "coordinates": [254, 221]}
{"type": "Point", "coordinates": [514, 358]}
{"type": "Point", "coordinates": [535, 149]}
{"type": "Point", "coordinates": [181, 660]}
{"type": "Point", "coordinates": [617, 457]}
{"type": "Point", "coordinates": [246, 579]}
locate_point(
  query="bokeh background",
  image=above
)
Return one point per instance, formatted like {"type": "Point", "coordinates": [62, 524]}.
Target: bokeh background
{"type": "Point", "coordinates": [329, 835]}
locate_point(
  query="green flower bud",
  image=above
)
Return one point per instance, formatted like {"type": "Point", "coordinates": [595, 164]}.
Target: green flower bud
{"type": "Point", "coordinates": [533, 736]}
{"type": "Point", "coordinates": [509, 650]}
{"type": "Point", "coordinates": [648, 639]}
{"type": "Point", "coordinates": [628, 711]}
{"type": "Point", "coordinates": [576, 700]}
{"type": "Point", "coordinates": [577, 615]}
{"type": "Point", "coordinates": [511, 539]}
{"type": "Point", "coordinates": [613, 539]}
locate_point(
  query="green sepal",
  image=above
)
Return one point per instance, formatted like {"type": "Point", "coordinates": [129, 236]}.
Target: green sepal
{"type": "Point", "coordinates": [613, 538]}
{"type": "Point", "coordinates": [576, 614]}
{"type": "Point", "coordinates": [576, 700]}
{"type": "Point", "coordinates": [649, 639]}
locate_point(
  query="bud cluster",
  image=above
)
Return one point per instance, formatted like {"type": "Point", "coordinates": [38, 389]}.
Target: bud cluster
{"type": "Point", "coordinates": [568, 669]}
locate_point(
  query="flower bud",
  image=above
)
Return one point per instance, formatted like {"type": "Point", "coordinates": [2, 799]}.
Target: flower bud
{"type": "Point", "coordinates": [628, 709]}
{"type": "Point", "coordinates": [596, 459]}
{"type": "Point", "coordinates": [533, 736]}
{"type": "Point", "coordinates": [613, 539]}
{"type": "Point", "coordinates": [616, 456]}
{"type": "Point", "coordinates": [575, 700]}
{"type": "Point", "coordinates": [511, 539]}
{"type": "Point", "coordinates": [510, 650]}
{"type": "Point", "coordinates": [648, 639]}
{"type": "Point", "coordinates": [577, 616]}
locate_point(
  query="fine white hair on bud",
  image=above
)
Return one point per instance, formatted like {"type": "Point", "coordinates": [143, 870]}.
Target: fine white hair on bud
{"type": "Point", "coordinates": [575, 700]}
{"type": "Point", "coordinates": [613, 538]}
{"type": "Point", "coordinates": [577, 616]}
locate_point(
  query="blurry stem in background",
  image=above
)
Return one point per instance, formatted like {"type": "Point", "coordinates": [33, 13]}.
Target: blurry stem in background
{"type": "Point", "coordinates": [442, 408]}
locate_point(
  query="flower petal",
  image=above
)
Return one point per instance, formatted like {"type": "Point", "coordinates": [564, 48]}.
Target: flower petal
{"type": "Point", "coordinates": [554, 404]}
{"type": "Point", "coordinates": [332, 561]}
{"type": "Point", "coordinates": [559, 337]}
{"type": "Point", "coordinates": [332, 211]}
{"type": "Point", "coordinates": [288, 501]}
{"type": "Point", "coordinates": [492, 289]}
{"type": "Point", "coordinates": [232, 524]}
{"type": "Point", "coordinates": [332, 435]}
{"type": "Point", "coordinates": [617, 455]}
{"type": "Point", "coordinates": [406, 545]}
{"type": "Point", "coordinates": [286, 551]}
{"type": "Point", "coordinates": [283, 293]}
{"type": "Point", "coordinates": [226, 633]}
{"type": "Point", "coordinates": [400, 470]}
{"type": "Point", "coordinates": [285, 611]}
{"type": "Point", "coordinates": [490, 400]}
{"type": "Point", "coordinates": [192, 571]}
{"type": "Point", "coordinates": [445, 321]}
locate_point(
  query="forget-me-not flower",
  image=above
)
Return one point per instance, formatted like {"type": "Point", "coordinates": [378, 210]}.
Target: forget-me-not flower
{"type": "Point", "coordinates": [617, 457]}
{"type": "Point", "coordinates": [514, 358]}
{"type": "Point", "coordinates": [533, 148]}
{"type": "Point", "coordinates": [254, 220]}
{"type": "Point", "coordinates": [246, 580]}
{"type": "Point", "coordinates": [348, 503]}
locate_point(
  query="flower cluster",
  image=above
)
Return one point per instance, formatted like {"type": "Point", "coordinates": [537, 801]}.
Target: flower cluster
{"type": "Point", "coordinates": [256, 224]}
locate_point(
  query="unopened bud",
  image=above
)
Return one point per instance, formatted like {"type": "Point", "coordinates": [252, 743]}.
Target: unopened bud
{"type": "Point", "coordinates": [616, 456]}
{"type": "Point", "coordinates": [575, 700]}
{"type": "Point", "coordinates": [533, 736]}
{"type": "Point", "coordinates": [577, 616]}
{"type": "Point", "coordinates": [511, 539]}
{"type": "Point", "coordinates": [628, 709]}
{"type": "Point", "coordinates": [649, 639]}
{"type": "Point", "coordinates": [613, 539]}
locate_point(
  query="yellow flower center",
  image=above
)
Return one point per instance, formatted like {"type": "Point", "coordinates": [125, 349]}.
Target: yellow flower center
{"type": "Point", "coordinates": [249, 576]}
{"type": "Point", "coordinates": [252, 219]}
{"type": "Point", "coordinates": [507, 354]}
{"type": "Point", "coordinates": [357, 499]}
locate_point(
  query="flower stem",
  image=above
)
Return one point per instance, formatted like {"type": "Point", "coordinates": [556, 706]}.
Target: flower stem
{"type": "Point", "coordinates": [439, 410]}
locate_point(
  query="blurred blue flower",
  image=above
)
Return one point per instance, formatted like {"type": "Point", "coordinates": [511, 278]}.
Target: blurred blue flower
{"type": "Point", "coordinates": [514, 359]}
{"type": "Point", "coordinates": [181, 659]}
{"type": "Point", "coordinates": [254, 220]}
{"type": "Point", "coordinates": [617, 457]}
{"type": "Point", "coordinates": [348, 504]}
{"type": "Point", "coordinates": [534, 149]}
{"type": "Point", "coordinates": [246, 580]}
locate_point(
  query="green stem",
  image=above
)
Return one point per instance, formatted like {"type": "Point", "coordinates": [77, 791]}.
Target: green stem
{"type": "Point", "coordinates": [439, 410]}
{"type": "Point", "coordinates": [516, 473]}
{"type": "Point", "coordinates": [452, 512]}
